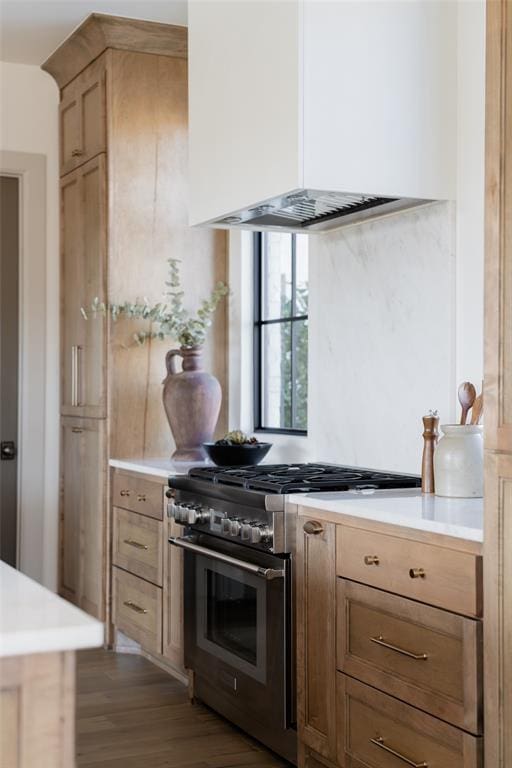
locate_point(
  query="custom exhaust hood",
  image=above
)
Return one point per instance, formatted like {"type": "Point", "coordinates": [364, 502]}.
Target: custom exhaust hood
{"type": "Point", "coordinates": [306, 115]}
{"type": "Point", "coordinates": [313, 211]}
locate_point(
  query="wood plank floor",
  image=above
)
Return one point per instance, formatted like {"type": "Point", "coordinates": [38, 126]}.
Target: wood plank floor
{"type": "Point", "coordinates": [131, 714]}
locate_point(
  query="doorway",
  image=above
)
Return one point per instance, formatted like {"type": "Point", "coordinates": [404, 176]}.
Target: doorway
{"type": "Point", "coordinates": [9, 365]}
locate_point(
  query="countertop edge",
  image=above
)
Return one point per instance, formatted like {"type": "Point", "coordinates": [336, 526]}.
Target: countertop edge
{"type": "Point", "coordinates": [55, 640]}
{"type": "Point", "coordinates": [454, 535]}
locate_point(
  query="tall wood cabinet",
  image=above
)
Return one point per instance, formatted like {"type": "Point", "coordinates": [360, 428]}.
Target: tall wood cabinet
{"type": "Point", "coordinates": [123, 206]}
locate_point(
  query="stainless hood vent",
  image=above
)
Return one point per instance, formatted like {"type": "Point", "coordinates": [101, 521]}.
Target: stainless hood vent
{"type": "Point", "coordinates": [307, 210]}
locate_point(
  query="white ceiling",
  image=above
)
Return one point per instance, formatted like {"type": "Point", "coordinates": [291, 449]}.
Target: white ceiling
{"type": "Point", "coordinates": [32, 29]}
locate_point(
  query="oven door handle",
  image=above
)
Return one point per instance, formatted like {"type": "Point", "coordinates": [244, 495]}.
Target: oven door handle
{"type": "Point", "coordinates": [266, 573]}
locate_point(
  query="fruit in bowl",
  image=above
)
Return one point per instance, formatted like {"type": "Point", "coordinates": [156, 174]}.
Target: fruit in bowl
{"type": "Point", "coordinates": [236, 449]}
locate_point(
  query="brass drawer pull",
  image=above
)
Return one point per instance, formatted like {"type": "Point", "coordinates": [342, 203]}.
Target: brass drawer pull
{"type": "Point", "coordinates": [124, 492]}
{"type": "Point", "coordinates": [141, 497]}
{"type": "Point", "coordinates": [313, 527]}
{"type": "Point", "coordinates": [135, 544]}
{"type": "Point", "coordinates": [380, 641]}
{"type": "Point", "coordinates": [76, 430]}
{"type": "Point", "coordinates": [417, 573]}
{"type": "Point", "coordinates": [371, 560]}
{"type": "Point", "coordinates": [379, 742]}
{"type": "Point", "coordinates": [134, 606]}
{"type": "Point", "coordinates": [76, 152]}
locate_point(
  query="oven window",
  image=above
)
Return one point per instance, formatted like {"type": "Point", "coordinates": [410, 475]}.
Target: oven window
{"type": "Point", "coordinates": [231, 615]}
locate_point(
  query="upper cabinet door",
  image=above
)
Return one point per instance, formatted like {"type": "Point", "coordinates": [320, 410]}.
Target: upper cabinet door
{"type": "Point", "coordinates": [82, 118]}
{"type": "Point", "coordinates": [83, 278]}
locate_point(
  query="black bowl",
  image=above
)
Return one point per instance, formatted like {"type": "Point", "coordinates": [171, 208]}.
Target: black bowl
{"type": "Point", "coordinates": [236, 455]}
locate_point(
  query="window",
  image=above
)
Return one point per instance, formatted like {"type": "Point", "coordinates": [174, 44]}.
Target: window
{"type": "Point", "coordinates": [280, 332]}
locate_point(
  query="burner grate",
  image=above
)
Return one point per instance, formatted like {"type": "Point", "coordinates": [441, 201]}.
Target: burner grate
{"type": "Point", "coordinates": [302, 478]}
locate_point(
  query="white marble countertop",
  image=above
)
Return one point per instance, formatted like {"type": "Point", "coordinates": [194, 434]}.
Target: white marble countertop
{"type": "Point", "coordinates": [35, 620]}
{"type": "Point", "coordinates": [155, 467]}
{"type": "Point", "coordinates": [461, 518]}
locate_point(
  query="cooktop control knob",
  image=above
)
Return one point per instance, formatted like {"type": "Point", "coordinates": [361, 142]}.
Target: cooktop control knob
{"type": "Point", "coordinates": [235, 526]}
{"type": "Point", "coordinates": [261, 534]}
{"type": "Point", "coordinates": [247, 528]}
{"type": "Point", "coordinates": [196, 514]}
{"type": "Point", "coordinates": [180, 513]}
{"type": "Point", "coordinates": [226, 525]}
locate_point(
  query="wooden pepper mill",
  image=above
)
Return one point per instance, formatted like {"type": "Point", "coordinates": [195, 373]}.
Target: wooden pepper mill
{"type": "Point", "coordinates": [430, 437]}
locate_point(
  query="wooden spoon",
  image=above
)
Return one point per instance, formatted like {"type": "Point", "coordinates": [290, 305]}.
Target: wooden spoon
{"type": "Point", "coordinates": [467, 395]}
{"type": "Point", "coordinates": [478, 407]}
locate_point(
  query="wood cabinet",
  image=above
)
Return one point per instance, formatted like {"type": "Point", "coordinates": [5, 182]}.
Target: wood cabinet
{"type": "Point", "coordinates": [437, 575]}
{"type": "Point", "coordinates": [82, 519]}
{"type": "Point", "coordinates": [316, 627]}
{"type": "Point", "coordinates": [427, 657]}
{"type": "Point", "coordinates": [379, 731]}
{"type": "Point", "coordinates": [82, 117]}
{"type": "Point", "coordinates": [37, 710]}
{"type": "Point", "coordinates": [123, 210]}
{"type": "Point", "coordinates": [83, 275]}
{"type": "Point", "coordinates": [173, 598]}
{"type": "Point", "coordinates": [137, 545]}
{"type": "Point", "coordinates": [147, 573]}
{"type": "Point", "coordinates": [383, 678]}
{"type": "Point", "coordinates": [137, 609]}
{"type": "Point", "coordinates": [132, 491]}
{"type": "Point", "coordinates": [498, 389]}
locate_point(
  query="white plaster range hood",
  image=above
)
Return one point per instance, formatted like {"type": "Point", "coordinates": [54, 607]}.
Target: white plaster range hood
{"type": "Point", "coordinates": [307, 115]}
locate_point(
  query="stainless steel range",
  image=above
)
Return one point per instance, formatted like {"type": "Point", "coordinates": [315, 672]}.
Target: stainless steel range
{"type": "Point", "coordinates": [239, 545]}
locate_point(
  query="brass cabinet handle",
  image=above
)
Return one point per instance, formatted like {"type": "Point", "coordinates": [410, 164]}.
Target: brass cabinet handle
{"type": "Point", "coordinates": [379, 742]}
{"type": "Point", "coordinates": [380, 641]}
{"type": "Point", "coordinates": [371, 560]}
{"type": "Point", "coordinates": [141, 497]}
{"type": "Point", "coordinates": [313, 527]}
{"type": "Point", "coordinates": [417, 573]}
{"type": "Point", "coordinates": [76, 430]}
{"type": "Point", "coordinates": [134, 606]}
{"type": "Point", "coordinates": [135, 544]}
{"type": "Point", "coordinates": [76, 152]}
{"type": "Point", "coordinates": [124, 492]}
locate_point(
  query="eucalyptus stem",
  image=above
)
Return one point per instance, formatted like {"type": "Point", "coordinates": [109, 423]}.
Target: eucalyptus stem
{"type": "Point", "coordinates": [189, 330]}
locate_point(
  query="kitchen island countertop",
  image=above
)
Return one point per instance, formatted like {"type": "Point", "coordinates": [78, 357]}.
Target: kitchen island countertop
{"type": "Point", "coordinates": [408, 508]}
{"type": "Point", "coordinates": [35, 620]}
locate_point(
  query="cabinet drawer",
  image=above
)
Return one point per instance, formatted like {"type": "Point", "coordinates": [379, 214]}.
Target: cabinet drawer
{"type": "Point", "coordinates": [447, 578]}
{"type": "Point", "coordinates": [137, 609]}
{"type": "Point", "coordinates": [378, 731]}
{"type": "Point", "coordinates": [137, 544]}
{"type": "Point", "coordinates": [427, 657]}
{"type": "Point", "coordinates": [138, 495]}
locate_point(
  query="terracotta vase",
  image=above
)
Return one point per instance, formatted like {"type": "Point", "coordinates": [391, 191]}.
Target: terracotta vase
{"type": "Point", "coordinates": [192, 399]}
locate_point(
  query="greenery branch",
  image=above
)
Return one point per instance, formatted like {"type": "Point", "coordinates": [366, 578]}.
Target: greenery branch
{"type": "Point", "coordinates": [171, 316]}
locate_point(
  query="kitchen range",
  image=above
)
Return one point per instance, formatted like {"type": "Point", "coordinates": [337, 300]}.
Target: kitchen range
{"type": "Point", "coordinates": [239, 606]}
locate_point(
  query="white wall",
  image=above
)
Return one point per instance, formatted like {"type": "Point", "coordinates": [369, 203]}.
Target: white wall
{"type": "Point", "coordinates": [382, 337]}
{"type": "Point", "coordinates": [470, 191]}
{"type": "Point", "coordinates": [29, 124]}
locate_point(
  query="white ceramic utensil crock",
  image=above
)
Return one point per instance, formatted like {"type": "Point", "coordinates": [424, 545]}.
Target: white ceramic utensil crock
{"type": "Point", "coordinates": [458, 462]}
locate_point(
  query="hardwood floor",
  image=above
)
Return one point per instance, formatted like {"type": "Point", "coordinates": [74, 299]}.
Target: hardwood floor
{"type": "Point", "coordinates": [131, 714]}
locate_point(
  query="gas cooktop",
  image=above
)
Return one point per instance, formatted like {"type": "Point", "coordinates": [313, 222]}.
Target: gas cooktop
{"type": "Point", "coordinates": [303, 478]}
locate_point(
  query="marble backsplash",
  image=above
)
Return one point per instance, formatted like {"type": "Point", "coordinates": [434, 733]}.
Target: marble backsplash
{"type": "Point", "coordinates": [382, 337]}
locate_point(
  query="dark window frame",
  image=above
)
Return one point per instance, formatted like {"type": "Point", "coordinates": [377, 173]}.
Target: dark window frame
{"type": "Point", "coordinates": [258, 326]}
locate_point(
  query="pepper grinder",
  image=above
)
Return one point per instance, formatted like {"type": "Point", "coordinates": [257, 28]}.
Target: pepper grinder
{"type": "Point", "coordinates": [430, 437]}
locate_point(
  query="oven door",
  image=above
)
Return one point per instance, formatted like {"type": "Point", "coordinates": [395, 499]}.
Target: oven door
{"type": "Point", "coordinates": [237, 627]}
